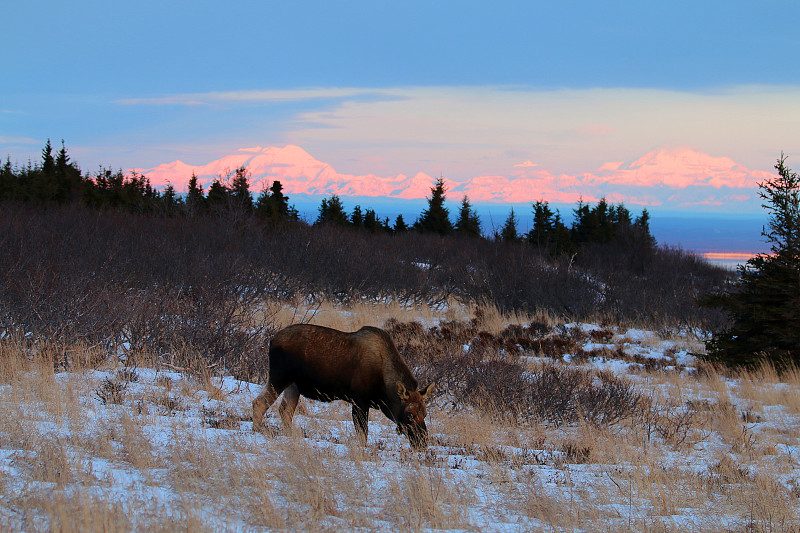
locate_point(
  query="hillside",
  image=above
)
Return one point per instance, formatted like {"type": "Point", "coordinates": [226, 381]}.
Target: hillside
{"type": "Point", "coordinates": [568, 393]}
{"type": "Point", "coordinates": [132, 446]}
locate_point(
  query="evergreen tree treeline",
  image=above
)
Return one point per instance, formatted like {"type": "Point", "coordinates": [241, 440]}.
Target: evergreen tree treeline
{"type": "Point", "coordinates": [602, 223]}
{"type": "Point", "coordinates": [57, 180]}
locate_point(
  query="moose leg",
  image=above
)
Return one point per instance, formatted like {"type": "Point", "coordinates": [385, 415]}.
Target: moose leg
{"type": "Point", "coordinates": [360, 419]}
{"type": "Point", "coordinates": [262, 403]}
{"type": "Point", "coordinates": [290, 398]}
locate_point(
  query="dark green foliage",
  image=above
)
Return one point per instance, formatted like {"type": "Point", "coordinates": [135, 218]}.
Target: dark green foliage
{"type": "Point", "coordinates": [509, 231]}
{"type": "Point", "coordinates": [67, 177]}
{"type": "Point", "coordinates": [273, 206]}
{"type": "Point", "coordinates": [764, 305]}
{"type": "Point", "coordinates": [8, 181]}
{"type": "Point", "coordinates": [56, 180]}
{"type": "Point", "coordinates": [195, 199]}
{"type": "Point", "coordinates": [218, 197]}
{"type": "Point", "coordinates": [169, 200]}
{"type": "Point", "coordinates": [436, 218]}
{"type": "Point", "coordinates": [357, 217]}
{"type": "Point", "coordinates": [331, 211]}
{"type": "Point", "coordinates": [549, 234]}
{"type": "Point", "coordinates": [400, 225]}
{"type": "Point", "coordinates": [115, 190]}
{"type": "Point", "coordinates": [240, 190]}
{"type": "Point", "coordinates": [468, 223]}
{"type": "Point", "coordinates": [46, 188]}
{"type": "Point", "coordinates": [371, 221]}
{"type": "Point", "coordinates": [641, 231]}
{"type": "Point", "coordinates": [606, 223]}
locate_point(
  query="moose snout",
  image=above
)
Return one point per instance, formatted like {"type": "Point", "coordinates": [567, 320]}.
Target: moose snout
{"type": "Point", "coordinates": [418, 437]}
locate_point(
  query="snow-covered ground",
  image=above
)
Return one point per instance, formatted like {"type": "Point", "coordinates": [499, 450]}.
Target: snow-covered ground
{"type": "Point", "coordinates": [152, 449]}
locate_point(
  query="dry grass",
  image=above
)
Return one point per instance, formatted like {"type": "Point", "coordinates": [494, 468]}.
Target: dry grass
{"type": "Point", "coordinates": [703, 452]}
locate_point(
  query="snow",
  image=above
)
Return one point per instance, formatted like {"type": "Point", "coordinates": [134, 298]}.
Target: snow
{"type": "Point", "coordinates": [162, 463]}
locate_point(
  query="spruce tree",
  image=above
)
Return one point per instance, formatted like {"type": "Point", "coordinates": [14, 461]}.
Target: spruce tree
{"type": "Point", "coordinates": [641, 229]}
{"type": "Point", "coordinates": [169, 200]}
{"type": "Point", "coordinates": [272, 205]}
{"type": "Point", "coordinates": [281, 201]}
{"type": "Point", "coordinates": [218, 198]}
{"type": "Point", "coordinates": [542, 233]}
{"type": "Point", "coordinates": [357, 217]}
{"type": "Point", "coordinates": [468, 222]}
{"type": "Point", "coordinates": [436, 218]}
{"type": "Point", "coordinates": [510, 233]}
{"type": "Point", "coordinates": [604, 231]}
{"type": "Point", "coordinates": [371, 221]}
{"type": "Point", "coordinates": [240, 189]}
{"type": "Point", "coordinates": [331, 211]}
{"type": "Point", "coordinates": [561, 241]}
{"type": "Point", "coordinates": [764, 305]}
{"type": "Point", "coordinates": [400, 225]}
{"type": "Point", "coordinates": [62, 174]}
{"type": "Point", "coordinates": [48, 162]}
{"type": "Point", "coordinates": [45, 187]}
{"type": "Point", "coordinates": [8, 181]}
{"type": "Point", "coordinates": [584, 224]}
{"type": "Point", "coordinates": [195, 200]}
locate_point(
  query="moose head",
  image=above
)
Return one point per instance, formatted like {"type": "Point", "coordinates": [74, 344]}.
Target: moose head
{"type": "Point", "coordinates": [411, 419]}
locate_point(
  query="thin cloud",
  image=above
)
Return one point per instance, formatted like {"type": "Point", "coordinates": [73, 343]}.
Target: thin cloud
{"type": "Point", "coordinates": [254, 96]}
{"type": "Point", "coordinates": [470, 130]}
{"type": "Point", "coordinates": [18, 140]}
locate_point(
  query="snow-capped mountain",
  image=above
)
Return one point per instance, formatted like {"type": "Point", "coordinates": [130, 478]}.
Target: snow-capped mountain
{"type": "Point", "coordinates": [297, 170]}
{"type": "Point", "coordinates": [681, 177]}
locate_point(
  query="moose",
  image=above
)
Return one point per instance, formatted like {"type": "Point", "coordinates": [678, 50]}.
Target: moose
{"type": "Point", "coordinates": [363, 368]}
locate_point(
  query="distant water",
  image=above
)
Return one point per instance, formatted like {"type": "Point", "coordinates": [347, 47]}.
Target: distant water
{"type": "Point", "coordinates": [731, 261]}
{"type": "Point", "coordinates": [725, 239]}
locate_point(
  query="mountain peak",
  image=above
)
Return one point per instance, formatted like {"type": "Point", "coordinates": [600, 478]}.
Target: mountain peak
{"type": "Point", "coordinates": [678, 177]}
{"type": "Point", "coordinates": [680, 159]}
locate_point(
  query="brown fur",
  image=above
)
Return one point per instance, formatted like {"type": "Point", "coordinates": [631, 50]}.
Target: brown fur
{"type": "Point", "coordinates": [363, 368]}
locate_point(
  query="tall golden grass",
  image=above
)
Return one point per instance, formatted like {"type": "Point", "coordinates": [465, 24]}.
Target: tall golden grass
{"type": "Point", "coordinates": [177, 453]}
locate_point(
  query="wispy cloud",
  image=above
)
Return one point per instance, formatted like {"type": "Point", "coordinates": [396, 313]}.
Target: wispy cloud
{"type": "Point", "coordinates": [462, 131]}
{"type": "Point", "coordinates": [18, 140]}
{"type": "Point", "coordinates": [250, 96]}
{"type": "Point", "coordinates": [473, 129]}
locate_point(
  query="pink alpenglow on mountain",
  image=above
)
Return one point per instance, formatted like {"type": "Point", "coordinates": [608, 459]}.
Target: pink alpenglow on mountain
{"type": "Point", "coordinates": [680, 178]}
{"type": "Point", "coordinates": [680, 168]}
{"type": "Point", "coordinates": [297, 170]}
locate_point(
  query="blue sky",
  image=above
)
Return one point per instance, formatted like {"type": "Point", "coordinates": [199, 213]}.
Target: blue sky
{"type": "Point", "coordinates": [457, 87]}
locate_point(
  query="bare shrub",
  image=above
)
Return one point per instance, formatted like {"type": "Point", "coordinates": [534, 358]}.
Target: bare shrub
{"type": "Point", "coordinates": [563, 394]}
{"type": "Point", "coordinates": [222, 420]}
{"type": "Point", "coordinates": [675, 425]}
{"type": "Point", "coordinates": [127, 375]}
{"type": "Point", "coordinates": [488, 376]}
{"type": "Point", "coordinates": [111, 391]}
{"type": "Point", "coordinates": [158, 284]}
{"type": "Point", "coordinates": [169, 404]}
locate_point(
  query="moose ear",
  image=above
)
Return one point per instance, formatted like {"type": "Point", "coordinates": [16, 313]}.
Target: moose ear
{"type": "Point", "coordinates": [427, 390]}
{"type": "Point", "coordinates": [401, 391]}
